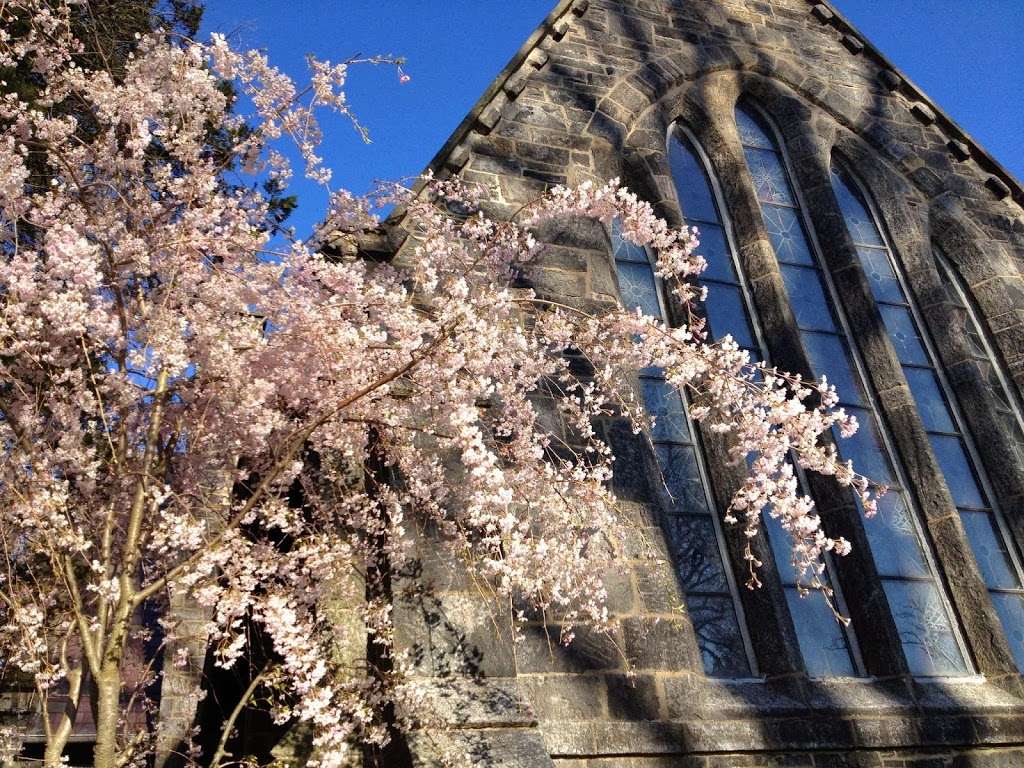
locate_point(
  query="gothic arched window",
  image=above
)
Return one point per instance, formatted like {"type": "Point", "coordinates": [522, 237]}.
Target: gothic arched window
{"type": "Point", "coordinates": [823, 642]}
{"type": "Point", "coordinates": [950, 441]}
{"type": "Point", "coordinates": [1008, 404]}
{"type": "Point", "coordinates": [692, 529]}
{"type": "Point", "coordinates": [923, 618]}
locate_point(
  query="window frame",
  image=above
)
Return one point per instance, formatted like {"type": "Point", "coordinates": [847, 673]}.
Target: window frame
{"type": "Point", "coordinates": [752, 317]}
{"type": "Point", "coordinates": [838, 308]}
{"type": "Point", "coordinates": [705, 477]}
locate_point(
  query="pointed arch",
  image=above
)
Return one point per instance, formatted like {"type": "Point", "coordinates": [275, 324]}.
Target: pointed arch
{"type": "Point", "coordinates": [951, 442]}
{"type": "Point", "coordinates": [827, 649]}
{"type": "Point", "coordinates": [930, 638]}
{"type": "Point", "coordinates": [692, 529]}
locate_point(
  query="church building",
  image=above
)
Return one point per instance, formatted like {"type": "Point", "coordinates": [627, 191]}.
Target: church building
{"type": "Point", "coordinates": [851, 229]}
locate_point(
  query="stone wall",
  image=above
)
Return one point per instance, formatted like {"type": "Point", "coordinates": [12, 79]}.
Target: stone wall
{"type": "Point", "coordinates": [592, 95]}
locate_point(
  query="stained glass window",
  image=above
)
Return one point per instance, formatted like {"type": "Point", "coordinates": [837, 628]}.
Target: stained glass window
{"type": "Point", "coordinates": [1008, 405]}
{"type": "Point", "coordinates": [824, 644]}
{"type": "Point", "coordinates": [949, 441]}
{"type": "Point", "coordinates": [691, 527]}
{"type": "Point", "coordinates": [922, 616]}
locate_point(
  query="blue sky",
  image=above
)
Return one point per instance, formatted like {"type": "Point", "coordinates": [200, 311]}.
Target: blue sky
{"type": "Point", "coordinates": [964, 53]}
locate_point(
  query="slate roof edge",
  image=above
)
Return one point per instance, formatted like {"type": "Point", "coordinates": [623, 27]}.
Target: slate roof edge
{"type": "Point", "coordinates": [518, 59]}
{"type": "Point", "coordinates": [951, 128]}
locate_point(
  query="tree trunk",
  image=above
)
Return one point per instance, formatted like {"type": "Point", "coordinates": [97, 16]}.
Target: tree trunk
{"type": "Point", "coordinates": [59, 738]}
{"type": "Point", "coordinates": [108, 712]}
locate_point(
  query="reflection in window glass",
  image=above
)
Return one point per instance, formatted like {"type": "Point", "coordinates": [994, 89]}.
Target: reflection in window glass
{"type": "Point", "coordinates": [1010, 607]}
{"type": "Point", "coordinates": [721, 646]}
{"type": "Point", "coordinates": [924, 628]}
{"type": "Point", "coordinates": [894, 541]}
{"type": "Point", "coordinates": [981, 519]}
{"type": "Point", "coordinates": [991, 550]}
{"type": "Point", "coordinates": [826, 353]}
{"type": "Point", "coordinates": [690, 527]}
{"type": "Point", "coordinates": [808, 299]}
{"type": "Point", "coordinates": [824, 644]}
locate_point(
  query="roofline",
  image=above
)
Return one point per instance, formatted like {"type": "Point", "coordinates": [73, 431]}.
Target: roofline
{"type": "Point", "coordinates": [952, 129]}
{"type": "Point", "coordinates": [1000, 176]}
{"type": "Point", "coordinates": [546, 27]}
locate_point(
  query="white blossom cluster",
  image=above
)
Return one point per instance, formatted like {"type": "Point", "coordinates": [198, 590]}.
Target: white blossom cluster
{"type": "Point", "coordinates": [187, 414]}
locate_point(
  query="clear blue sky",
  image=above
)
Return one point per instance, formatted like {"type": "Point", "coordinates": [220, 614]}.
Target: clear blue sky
{"type": "Point", "coordinates": [966, 54]}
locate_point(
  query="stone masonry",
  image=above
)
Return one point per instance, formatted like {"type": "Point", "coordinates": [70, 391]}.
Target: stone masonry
{"type": "Point", "coordinates": [591, 96]}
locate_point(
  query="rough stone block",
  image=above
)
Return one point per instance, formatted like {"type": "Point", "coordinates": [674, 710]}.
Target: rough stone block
{"type": "Point", "coordinates": [565, 697]}
{"type": "Point", "coordinates": [958, 149]}
{"type": "Point", "coordinates": [852, 43]}
{"type": "Point", "coordinates": [541, 651]}
{"type": "Point", "coordinates": [458, 157]}
{"type": "Point", "coordinates": [688, 696]}
{"type": "Point", "coordinates": [489, 116]}
{"type": "Point", "coordinates": [997, 186]}
{"type": "Point", "coordinates": [922, 112]}
{"type": "Point", "coordinates": [537, 58]}
{"type": "Point", "coordinates": [633, 697]}
{"type": "Point", "coordinates": [665, 644]}
{"type": "Point", "coordinates": [822, 13]}
{"type": "Point", "coordinates": [491, 747]}
{"type": "Point", "coordinates": [478, 703]}
{"type": "Point", "coordinates": [889, 79]}
{"type": "Point", "coordinates": [514, 85]}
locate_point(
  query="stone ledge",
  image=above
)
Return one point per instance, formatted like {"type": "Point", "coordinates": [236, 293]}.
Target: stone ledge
{"type": "Point", "coordinates": [719, 716]}
{"type": "Point", "coordinates": [491, 703]}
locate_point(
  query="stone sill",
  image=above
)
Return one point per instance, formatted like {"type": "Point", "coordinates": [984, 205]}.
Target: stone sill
{"type": "Point", "coordinates": [836, 714]}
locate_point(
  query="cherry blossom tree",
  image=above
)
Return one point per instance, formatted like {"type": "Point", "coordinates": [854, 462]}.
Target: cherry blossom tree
{"type": "Point", "coordinates": [190, 413]}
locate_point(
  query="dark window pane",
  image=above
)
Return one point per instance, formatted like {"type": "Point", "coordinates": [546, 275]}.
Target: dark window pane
{"type": "Point", "coordinates": [1011, 611]}
{"type": "Point", "coordinates": [694, 546]}
{"type": "Point", "coordinates": [924, 386]}
{"type": "Point", "coordinates": [807, 298]}
{"type": "Point", "coordinates": [662, 401]}
{"type": "Point", "coordinates": [822, 639]}
{"type": "Point", "coordinates": [769, 177]}
{"type": "Point", "coordinates": [787, 235]}
{"type": "Point", "coordinates": [923, 624]}
{"type": "Point", "coordinates": [989, 550]}
{"type": "Point", "coordinates": [716, 252]}
{"type": "Point", "coordinates": [903, 333]}
{"type": "Point", "coordinates": [752, 132]}
{"type": "Point", "coordinates": [718, 635]}
{"type": "Point", "coordinates": [727, 313]}
{"type": "Point", "coordinates": [956, 468]}
{"type": "Point", "coordinates": [878, 268]}
{"type": "Point", "coordinates": [894, 539]}
{"type": "Point", "coordinates": [682, 478]}
{"type": "Point", "coordinates": [624, 250]}
{"type": "Point", "coordinates": [865, 448]}
{"type": "Point", "coordinates": [691, 182]}
{"type": "Point", "coordinates": [829, 356]}
{"type": "Point", "coordinates": [638, 289]}
{"type": "Point", "coordinates": [859, 221]}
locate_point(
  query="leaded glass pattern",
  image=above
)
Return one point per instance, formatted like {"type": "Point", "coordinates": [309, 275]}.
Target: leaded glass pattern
{"type": "Point", "coordinates": [824, 644]}
{"type": "Point", "coordinates": [1007, 404]}
{"type": "Point", "coordinates": [950, 442]}
{"type": "Point", "coordinates": [917, 604]}
{"type": "Point", "coordinates": [691, 527]}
